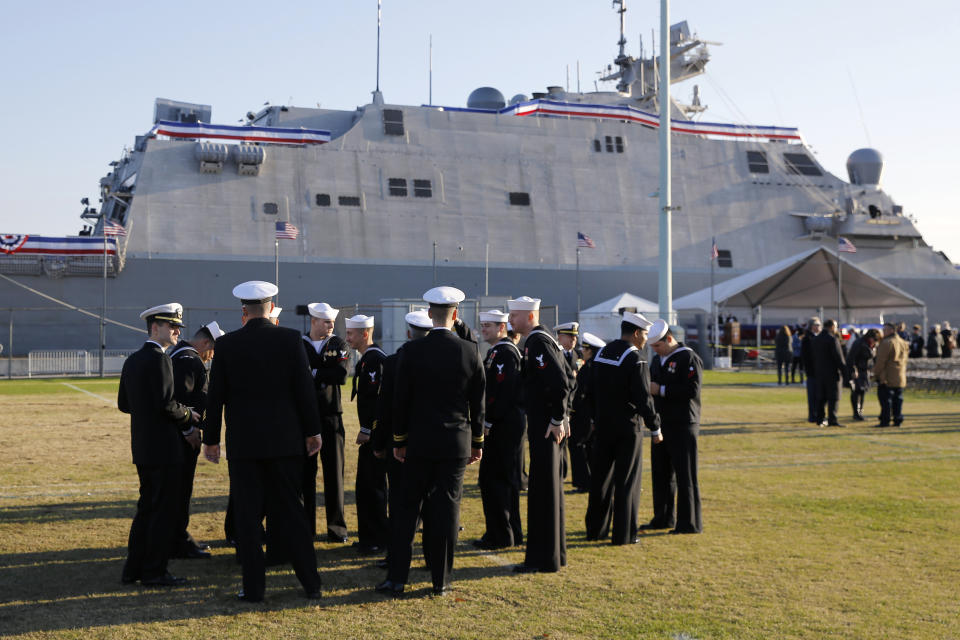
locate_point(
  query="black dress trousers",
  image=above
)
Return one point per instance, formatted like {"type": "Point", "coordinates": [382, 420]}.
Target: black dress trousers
{"type": "Point", "coordinates": [182, 540]}
{"type": "Point", "coordinates": [332, 463]}
{"type": "Point", "coordinates": [499, 481]}
{"type": "Point", "coordinates": [664, 487]}
{"type": "Point", "coordinates": [373, 529]}
{"type": "Point", "coordinates": [681, 441]}
{"type": "Point", "coordinates": [546, 533]}
{"type": "Point", "coordinates": [615, 487]}
{"type": "Point", "coordinates": [153, 528]}
{"type": "Point", "coordinates": [252, 482]}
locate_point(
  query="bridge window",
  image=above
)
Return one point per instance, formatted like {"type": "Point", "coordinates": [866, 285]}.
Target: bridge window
{"type": "Point", "coordinates": [619, 144]}
{"type": "Point", "coordinates": [757, 162]}
{"type": "Point", "coordinates": [323, 199]}
{"type": "Point", "coordinates": [597, 147]}
{"type": "Point", "coordinates": [520, 198]}
{"type": "Point", "coordinates": [724, 258]}
{"type": "Point", "coordinates": [801, 164]}
{"type": "Point", "coordinates": [422, 189]}
{"type": "Point", "coordinates": [398, 187]}
{"type": "Point", "coordinates": [393, 122]}
{"type": "Point", "coordinates": [271, 208]}
{"type": "Point", "coordinates": [349, 201]}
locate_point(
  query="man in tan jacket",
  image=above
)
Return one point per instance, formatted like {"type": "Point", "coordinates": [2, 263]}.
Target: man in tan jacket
{"type": "Point", "coordinates": [890, 372]}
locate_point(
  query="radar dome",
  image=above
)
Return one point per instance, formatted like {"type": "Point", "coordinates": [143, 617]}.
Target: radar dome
{"type": "Point", "coordinates": [864, 166]}
{"type": "Point", "coordinates": [486, 98]}
{"type": "Point", "coordinates": [517, 99]}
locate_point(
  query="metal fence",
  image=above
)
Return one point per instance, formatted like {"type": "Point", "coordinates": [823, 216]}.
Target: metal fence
{"type": "Point", "coordinates": [73, 362]}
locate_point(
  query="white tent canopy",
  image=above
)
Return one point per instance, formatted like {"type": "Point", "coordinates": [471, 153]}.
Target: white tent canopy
{"type": "Point", "coordinates": [808, 281]}
{"type": "Point", "coordinates": [603, 319]}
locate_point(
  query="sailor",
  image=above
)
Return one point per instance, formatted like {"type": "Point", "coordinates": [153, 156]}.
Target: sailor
{"type": "Point", "coordinates": [327, 354]}
{"type": "Point", "coordinates": [567, 334]}
{"type": "Point", "coordinates": [582, 416]}
{"type": "Point", "coordinates": [190, 358]}
{"type": "Point", "coordinates": [620, 394]}
{"type": "Point", "coordinates": [158, 426]}
{"type": "Point", "coordinates": [260, 378]}
{"type": "Point", "coordinates": [806, 355]}
{"type": "Point", "coordinates": [399, 551]}
{"type": "Point", "coordinates": [275, 315]}
{"type": "Point", "coordinates": [676, 374]}
{"type": "Point", "coordinates": [499, 477]}
{"type": "Point", "coordinates": [829, 366]}
{"type": "Point", "coordinates": [546, 387]}
{"type": "Point", "coordinates": [371, 486]}
{"type": "Point", "coordinates": [438, 429]}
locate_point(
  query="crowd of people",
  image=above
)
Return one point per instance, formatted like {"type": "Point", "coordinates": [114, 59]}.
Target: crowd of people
{"type": "Point", "coordinates": [425, 413]}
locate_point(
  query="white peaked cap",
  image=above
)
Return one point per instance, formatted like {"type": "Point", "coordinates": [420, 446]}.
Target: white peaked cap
{"type": "Point", "coordinates": [636, 319]}
{"type": "Point", "coordinates": [171, 312]}
{"type": "Point", "coordinates": [276, 312]}
{"type": "Point", "coordinates": [494, 315]}
{"type": "Point", "coordinates": [214, 329]}
{"type": "Point", "coordinates": [524, 303]}
{"type": "Point", "coordinates": [359, 322]}
{"type": "Point", "coordinates": [593, 341]}
{"type": "Point", "coordinates": [657, 331]}
{"type": "Point", "coordinates": [569, 328]}
{"type": "Point", "coordinates": [444, 296]}
{"type": "Point", "coordinates": [255, 290]}
{"type": "Point", "coordinates": [322, 310]}
{"type": "Point", "coordinates": [419, 319]}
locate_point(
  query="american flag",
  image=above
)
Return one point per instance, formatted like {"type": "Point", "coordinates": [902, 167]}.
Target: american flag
{"type": "Point", "coordinates": [111, 228]}
{"type": "Point", "coordinates": [714, 251]}
{"type": "Point", "coordinates": [286, 231]}
{"type": "Point", "coordinates": [583, 240]}
{"type": "Point", "coordinates": [845, 245]}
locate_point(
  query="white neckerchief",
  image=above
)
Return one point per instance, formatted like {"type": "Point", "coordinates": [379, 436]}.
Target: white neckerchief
{"type": "Point", "coordinates": [599, 357]}
{"type": "Point", "coordinates": [663, 359]}
{"type": "Point", "coordinates": [185, 347]}
{"type": "Point", "coordinates": [373, 348]}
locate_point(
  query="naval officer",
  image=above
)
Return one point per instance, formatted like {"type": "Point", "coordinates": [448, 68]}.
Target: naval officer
{"type": "Point", "coordinates": [399, 551]}
{"type": "Point", "coordinates": [158, 426]}
{"type": "Point", "coordinates": [546, 389]}
{"type": "Point", "coordinates": [260, 378]}
{"type": "Point", "coordinates": [582, 415]}
{"type": "Point", "coordinates": [438, 429]}
{"type": "Point", "coordinates": [676, 375]}
{"type": "Point", "coordinates": [621, 399]}
{"type": "Point", "coordinates": [190, 358]}
{"type": "Point", "coordinates": [499, 477]}
{"type": "Point", "coordinates": [371, 484]}
{"type": "Point", "coordinates": [327, 354]}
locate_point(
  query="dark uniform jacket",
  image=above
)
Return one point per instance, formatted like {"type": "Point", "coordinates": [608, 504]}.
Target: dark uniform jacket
{"type": "Point", "coordinates": [806, 353]}
{"type": "Point", "coordinates": [582, 412]}
{"type": "Point", "coordinates": [329, 369]}
{"type": "Point", "coordinates": [680, 377]}
{"type": "Point", "coordinates": [367, 379]}
{"type": "Point", "coordinates": [916, 346]}
{"type": "Point", "coordinates": [156, 418]}
{"type": "Point", "coordinates": [381, 434]}
{"type": "Point", "coordinates": [189, 377]}
{"type": "Point", "coordinates": [438, 397]}
{"type": "Point", "coordinates": [828, 362]}
{"type": "Point", "coordinates": [502, 366]}
{"type": "Point", "coordinates": [620, 392]}
{"type": "Point", "coordinates": [860, 361]}
{"type": "Point", "coordinates": [547, 381]}
{"type": "Point", "coordinates": [261, 377]}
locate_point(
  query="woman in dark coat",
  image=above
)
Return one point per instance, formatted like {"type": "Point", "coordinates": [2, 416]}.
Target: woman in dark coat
{"type": "Point", "coordinates": [934, 342]}
{"type": "Point", "coordinates": [784, 353]}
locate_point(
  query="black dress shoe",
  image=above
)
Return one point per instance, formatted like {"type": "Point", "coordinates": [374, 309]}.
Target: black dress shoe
{"type": "Point", "coordinates": [203, 546]}
{"type": "Point", "coordinates": [390, 587]}
{"type": "Point", "coordinates": [441, 591]}
{"type": "Point", "coordinates": [487, 546]}
{"type": "Point", "coordinates": [858, 418]}
{"type": "Point", "coordinates": [525, 568]}
{"type": "Point", "coordinates": [882, 424]}
{"type": "Point", "coordinates": [654, 524]}
{"type": "Point", "coordinates": [365, 550]}
{"type": "Point", "coordinates": [332, 537]}
{"type": "Point", "coordinates": [125, 579]}
{"type": "Point", "coordinates": [166, 580]}
{"type": "Point", "coordinates": [316, 594]}
{"type": "Point", "coordinates": [835, 424]}
{"type": "Point", "coordinates": [682, 531]}
{"type": "Point", "coordinates": [382, 563]}
{"type": "Point", "coordinates": [196, 553]}
{"type": "Point", "coordinates": [242, 597]}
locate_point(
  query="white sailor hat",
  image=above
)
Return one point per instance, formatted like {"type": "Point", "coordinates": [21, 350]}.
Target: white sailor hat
{"type": "Point", "coordinates": [444, 296]}
{"type": "Point", "coordinates": [255, 291]}
{"type": "Point", "coordinates": [275, 313]}
{"type": "Point", "coordinates": [359, 322]}
{"type": "Point", "coordinates": [322, 310]}
{"type": "Point", "coordinates": [494, 315]}
{"type": "Point", "coordinates": [636, 319]}
{"type": "Point", "coordinates": [171, 312]}
{"type": "Point", "coordinates": [657, 330]}
{"type": "Point", "coordinates": [214, 329]}
{"type": "Point", "coordinates": [419, 319]}
{"type": "Point", "coordinates": [568, 328]}
{"type": "Point", "coordinates": [524, 303]}
{"type": "Point", "coordinates": [590, 340]}
{"type": "Point", "coordinates": [509, 327]}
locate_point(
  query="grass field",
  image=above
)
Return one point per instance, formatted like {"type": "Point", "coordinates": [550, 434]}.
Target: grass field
{"type": "Point", "coordinates": [808, 533]}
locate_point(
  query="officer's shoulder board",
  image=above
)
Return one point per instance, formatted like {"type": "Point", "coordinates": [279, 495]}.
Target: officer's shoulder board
{"type": "Point", "coordinates": [613, 359]}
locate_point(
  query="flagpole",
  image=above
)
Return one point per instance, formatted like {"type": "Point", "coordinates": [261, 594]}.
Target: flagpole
{"type": "Point", "coordinates": [486, 271]}
{"type": "Point", "coordinates": [839, 282]}
{"type": "Point", "coordinates": [276, 265]}
{"type": "Point", "coordinates": [578, 283]}
{"type": "Point", "coordinates": [713, 311]}
{"type": "Point", "coordinates": [103, 309]}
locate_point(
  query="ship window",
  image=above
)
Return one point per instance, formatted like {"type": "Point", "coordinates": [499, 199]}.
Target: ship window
{"type": "Point", "coordinates": [724, 258]}
{"type": "Point", "coordinates": [520, 198]}
{"type": "Point", "coordinates": [393, 122]}
{"type": "Point", "coordinates": [349, 201]}
{"type": "Point", "coordinates": [422, 189]}
{"type": "Point", "coordinates": [323, 199]}
{"type": "Point", "coordinates": [609, 141]}
{"type": "Point", "coordinates": [619, 142]}
{"type": "Point", "coordinates": [757, 161]}
{"type": "Point", "coordinates": [271, 208]}
{"type": "Point", "coordinates": [398, 187]}
{"type": "Point", "coordinates": [801, 164]}
{"type": "Point", "coordinates": [597, 146]}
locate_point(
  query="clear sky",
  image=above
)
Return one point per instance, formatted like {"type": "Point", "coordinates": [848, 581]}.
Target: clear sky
{"type": "Point", "coordinates": [79, 78]}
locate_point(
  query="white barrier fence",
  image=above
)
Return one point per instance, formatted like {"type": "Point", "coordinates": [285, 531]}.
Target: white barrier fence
{"type": "Point", "coordinates": [74, 362]}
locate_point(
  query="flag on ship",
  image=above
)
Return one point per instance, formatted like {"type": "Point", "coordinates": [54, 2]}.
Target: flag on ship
{"type": "Point", "coordinates": [111, 228]}
{"type": "Point", "coordinates": [286, 231]}
{"type": "Point", "coordinates": [846, 246]}
{"type": "Point", "coordinates": [583, 240]}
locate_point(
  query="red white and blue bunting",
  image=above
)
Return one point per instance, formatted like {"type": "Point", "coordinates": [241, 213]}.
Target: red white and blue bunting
{"type": "Point", "coordinates": [271, 135]}
{"type": "Point", "coordinates": [23, 244]}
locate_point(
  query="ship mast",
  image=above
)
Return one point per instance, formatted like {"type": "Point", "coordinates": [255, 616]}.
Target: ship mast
{"type": "Point", "coordinates": [665, 285]}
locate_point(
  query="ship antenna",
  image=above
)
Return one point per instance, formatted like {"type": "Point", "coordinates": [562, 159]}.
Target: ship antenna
{"type": "Point", "coordinates": [377, 96]}
{"type": "Point", "coordinates": [623, 38]}
{"type": "Point", "coordinates": [431, 70]}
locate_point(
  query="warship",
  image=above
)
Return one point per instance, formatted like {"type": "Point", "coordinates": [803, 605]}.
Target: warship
{"type": "Point", "coordinates": [382, 201]}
